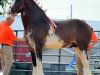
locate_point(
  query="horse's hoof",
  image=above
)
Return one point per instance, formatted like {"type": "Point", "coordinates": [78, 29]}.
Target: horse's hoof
{"type": "Point", "coordinates": [87, 72]}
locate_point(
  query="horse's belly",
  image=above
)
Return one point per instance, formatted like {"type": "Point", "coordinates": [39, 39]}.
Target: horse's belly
{"type": "Point", "coordinates": [53, 42]}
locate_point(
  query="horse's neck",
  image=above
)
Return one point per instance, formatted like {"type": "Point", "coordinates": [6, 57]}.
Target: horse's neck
{"type": "Point", "coordinates": [33, 13]}
{"type": "Point", "coordinates": [35, 16]}
{"type": "Point", "coordinates": [35, 21]}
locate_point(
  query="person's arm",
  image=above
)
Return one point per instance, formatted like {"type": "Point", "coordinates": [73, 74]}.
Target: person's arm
{"type": "Point", "coordinates": [20, 39]}
{"type": "Point", "coordinates": [0, 46]}
{"type": "Point", "coordinates": [14, 38]}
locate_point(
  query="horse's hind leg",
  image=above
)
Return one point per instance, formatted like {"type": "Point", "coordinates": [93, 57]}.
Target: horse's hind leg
{"type": "Point", "coordinates": [84, 61]}
{"type": "Point", "coordinates": [79, 66]}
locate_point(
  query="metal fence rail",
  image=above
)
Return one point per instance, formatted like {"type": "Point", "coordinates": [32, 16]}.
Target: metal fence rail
{"type": "Point", "coordinates": [20, 69]}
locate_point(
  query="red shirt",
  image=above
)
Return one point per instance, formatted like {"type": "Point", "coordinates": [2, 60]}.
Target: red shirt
{"type": "Point", "coordinates": [6, 34]}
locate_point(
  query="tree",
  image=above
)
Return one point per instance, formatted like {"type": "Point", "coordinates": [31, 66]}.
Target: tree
{"type": "Point", "coordinates": [3, 5]}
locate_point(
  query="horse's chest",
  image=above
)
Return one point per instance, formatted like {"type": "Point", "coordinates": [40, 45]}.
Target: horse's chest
{"type": "Point", "coordinates": [30, 40]}
{"type": "Point", "coordinates": [53, 41]}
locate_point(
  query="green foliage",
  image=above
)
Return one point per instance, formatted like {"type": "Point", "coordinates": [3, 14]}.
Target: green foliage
{"type": "Point", "coordinates": [3, 5]}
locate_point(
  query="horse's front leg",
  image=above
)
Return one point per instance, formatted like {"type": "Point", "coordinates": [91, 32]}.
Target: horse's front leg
{"type": "Point", "coordinates": [38, 70]}
{"type": "Point", "coordinates": [84, 61]}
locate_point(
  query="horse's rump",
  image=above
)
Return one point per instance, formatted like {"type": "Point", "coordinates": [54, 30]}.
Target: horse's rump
{"type": "Point", "coordinates": [74, 30]}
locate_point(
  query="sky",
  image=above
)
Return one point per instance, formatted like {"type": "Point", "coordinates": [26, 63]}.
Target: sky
{"type": "Point", "coordinates": [81, 9]}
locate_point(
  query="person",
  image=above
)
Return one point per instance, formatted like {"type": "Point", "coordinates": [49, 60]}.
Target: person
{"type": "Point", "coordinates": [6, 41]}
{"type": "Point", "coordinates": [94, 40]}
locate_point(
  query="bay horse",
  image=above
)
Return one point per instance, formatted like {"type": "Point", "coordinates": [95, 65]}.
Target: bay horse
{"type": "Point", "coordinates": [41, 33]}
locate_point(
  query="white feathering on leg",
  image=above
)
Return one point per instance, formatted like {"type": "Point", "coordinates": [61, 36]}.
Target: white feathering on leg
{"type": "Point", "coordinates": [38, 70]}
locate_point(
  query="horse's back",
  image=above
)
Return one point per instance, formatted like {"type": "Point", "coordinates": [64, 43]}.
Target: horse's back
{"type": "Point", "coordinates": [74, 30]}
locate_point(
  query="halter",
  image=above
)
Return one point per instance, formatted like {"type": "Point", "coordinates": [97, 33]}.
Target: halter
{"type": "Point", "coordinates": [52, 25]}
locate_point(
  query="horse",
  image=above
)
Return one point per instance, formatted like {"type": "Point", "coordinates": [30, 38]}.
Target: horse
{"type": "Point", "coordinates": [42, 32]}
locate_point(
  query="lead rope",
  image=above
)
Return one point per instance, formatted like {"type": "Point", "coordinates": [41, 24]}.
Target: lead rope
{"type": "Point", "coordinates": [52, 25]}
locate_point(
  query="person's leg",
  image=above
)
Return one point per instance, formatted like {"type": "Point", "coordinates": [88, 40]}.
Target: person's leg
{"type": "Point", "coordinates": [2, 59]}
{"type": "Point", "coordinates": [8, 58]}
{"type": "Point", "coordinates": [85, 62]}
{"type": "Point", "coordinates": [2, 62]}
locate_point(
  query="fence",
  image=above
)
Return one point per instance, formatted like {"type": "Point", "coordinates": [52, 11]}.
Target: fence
{"type": "Point", "coordinates": [22, 61]}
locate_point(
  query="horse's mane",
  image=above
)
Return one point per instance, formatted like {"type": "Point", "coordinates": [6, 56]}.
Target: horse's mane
{"type": "Point", "coordinates": [38, 13]}
{"type": "Point", "coordinates": [36, 5]}
{"type": "Point", "coordinates": [36, 18]}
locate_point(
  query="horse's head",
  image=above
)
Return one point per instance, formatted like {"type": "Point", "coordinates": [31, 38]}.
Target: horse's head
{"type": "Point", "coordinates": [16, 7]}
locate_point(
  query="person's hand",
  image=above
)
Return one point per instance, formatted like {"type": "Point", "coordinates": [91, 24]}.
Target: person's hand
{"type": "Point", "coordinates": [23, 39]}
{"type": "Point", "coordinates": [0, 46]}
{"type": "Point", "coordinates": [20, 39]}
